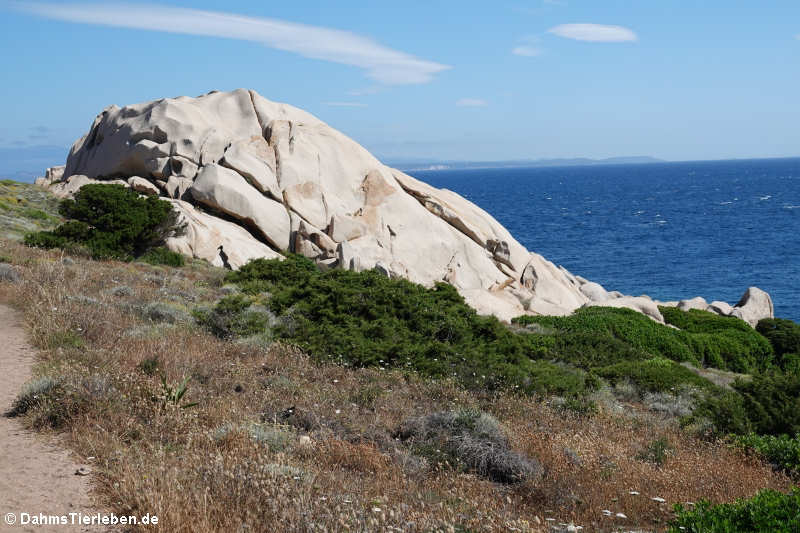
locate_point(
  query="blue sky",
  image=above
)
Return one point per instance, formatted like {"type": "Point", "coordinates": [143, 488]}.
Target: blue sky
{"type": "Point", "coordinates": [432, 80]}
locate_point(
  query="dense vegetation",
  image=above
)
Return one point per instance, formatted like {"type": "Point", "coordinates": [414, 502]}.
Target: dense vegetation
{"type": "Point", "coordinates": [366, 319]}
{"type": "Point", "coordinates": [114, 222]}
{"type": "Point", "coordinates": [768, 510]}
{"type": "Point", "coordinates": [598, 336]}
{"type": "Point", "coordinates": [784, 335]}
{"type": "Point", "coordinates": [782, 451]}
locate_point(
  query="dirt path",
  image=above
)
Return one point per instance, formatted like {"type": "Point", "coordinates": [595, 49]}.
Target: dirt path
{"type": "Point", "coordinates": [35, 476]}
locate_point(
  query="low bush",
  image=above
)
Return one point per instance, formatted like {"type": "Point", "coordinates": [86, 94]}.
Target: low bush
{"type": "Point", "coordinates": [161, 255]}
{"type": "Point", "coordinates": [366, 319]}
{"type": "Point", "coordinates": [768, 510]}
{"type": "Point", "coordinates": [769, 404]}
{"type": "Point", "coordinates": [599, 336]}
{"type": "Point", "coordinates": [162, 312]}
{"type": "Point", "coordinates": [782, 451]}
{"type": "Point", "coordinates": [113, 222]}
{"type": "Point", "coordinates": [656, 374]}
{"type": "Point", "coordinates": [32, 395]}
{"type": "Point", "coordinates": [235, 316]}
{"type": "Point", "coordinates": [784, 336]}
{"type": "Point", "coordinates": [8, 273]}
{"type": "Point", "coordinates": [722, 342]}
{"type": "Point", "coordinates": [469, 439]}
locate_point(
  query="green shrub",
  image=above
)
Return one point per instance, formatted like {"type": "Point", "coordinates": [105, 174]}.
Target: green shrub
{"type": "Point", "coordinates": [601, 336]}
{"type": "Point", "coordinates": [593, 336]}
{"type": "Point", "coordinates": [784, 336]}
{"type": "Point", "coordinates": [768, 510]}
{"type": "Point", "coordinates": [161, 255]}
{"type": "Point", "coordinates": [366, 319]}
{"type": "Point", "coordinates": [235, 316]}
{"type": "Point", "coordinates": [657, 374]}
{"type": "Point", "coordinates": [782, 451]}
{"type": "Point", "coordinates": [769, 404]}
{"type": "Point", "coordinates": [723, 342]}
{"type": "Point", "coordinates": [112, 222]}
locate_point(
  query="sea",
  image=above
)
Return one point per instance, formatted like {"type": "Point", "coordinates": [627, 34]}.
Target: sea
{"type": "Point", "coordinates": [667, 230]}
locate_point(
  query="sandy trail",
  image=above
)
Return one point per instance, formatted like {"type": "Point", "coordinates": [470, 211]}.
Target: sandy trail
{"type": "Point", "coordinates": [35, 477]}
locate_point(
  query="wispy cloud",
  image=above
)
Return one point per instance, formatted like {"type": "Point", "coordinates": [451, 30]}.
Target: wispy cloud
{"type": "Point", "coordinates": [345, 104]}
{"type": "Point", "coordinates": [797, 36]}
{"type": "Point", "coordinates": [528, 47]}
{"type": "Point", "coordinates": [471, 102]}
{"type": "Point", "coordinates": [381, 63]}
{"type": "Point", "coordinates": [597, 33]}
{"type": "Point", "coordinates": [526, 51]}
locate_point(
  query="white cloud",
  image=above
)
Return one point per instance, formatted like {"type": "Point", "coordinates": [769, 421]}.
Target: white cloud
{"type": "Point", "coordinates": [381, 63]}
{"type": "Point", "coordinates": [797, 36]}
{"type": "Point", "coordinates": [597, 33]}
{"type": "Point", "coordinates": [345, 104]}
{"type": "Point", "coordinates": [471, 102]}
{"type": "Point", "coordinates": [527, 51]}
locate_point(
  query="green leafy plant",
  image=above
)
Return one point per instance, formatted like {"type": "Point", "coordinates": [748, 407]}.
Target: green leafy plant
{"type": "Point", "coordinates": [172, 395]}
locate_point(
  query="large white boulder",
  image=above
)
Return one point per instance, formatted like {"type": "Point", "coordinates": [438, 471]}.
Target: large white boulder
{"type": "Point", "coordinates": [754, 305]}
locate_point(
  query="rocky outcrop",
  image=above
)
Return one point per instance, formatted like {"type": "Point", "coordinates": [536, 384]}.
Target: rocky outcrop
{"type": "Point", "coordinates": [754, 305]}
{"type": "Point", "coordinates": [252, 178]}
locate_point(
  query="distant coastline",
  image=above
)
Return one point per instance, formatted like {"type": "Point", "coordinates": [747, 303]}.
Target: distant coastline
{"type": "Point", "coordinates": [434, 165]}
{"type": "Point", "coordinates": [411, 165]}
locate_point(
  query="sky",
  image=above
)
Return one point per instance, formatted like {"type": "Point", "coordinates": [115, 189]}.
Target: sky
{"type": "Point", "coordinates": [432, 80]}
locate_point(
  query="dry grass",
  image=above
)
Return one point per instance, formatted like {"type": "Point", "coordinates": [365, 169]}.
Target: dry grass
{"type": "Point", "coordinates": [239, 457]}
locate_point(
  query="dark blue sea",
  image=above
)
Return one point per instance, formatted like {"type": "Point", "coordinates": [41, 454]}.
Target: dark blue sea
{"type": "Point", "coordinates": [668, 230]}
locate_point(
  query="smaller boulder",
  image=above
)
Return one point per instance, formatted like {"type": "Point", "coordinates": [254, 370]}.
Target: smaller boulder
{"type": "Point", "coordinates": [720, 308]}
{"type": "Point", "coordinates": [695, 303]}
{"type": "Point", "coordinates": [143, 186]}
{"type": "Point", "coordinates": [594, 291]}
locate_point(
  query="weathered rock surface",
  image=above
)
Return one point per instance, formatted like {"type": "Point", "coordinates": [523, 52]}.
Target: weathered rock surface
{"type": "Point", "coordinates": [720, 308]}
{"type": "Point", "coordinates": [143, 186]}
{"type": "Point", "coordinates": [595, 292]}
{"type": "Point", "coordinates": [205, 234]}
{"type": "Point", "coordinates": [754, 305]}
{"type": "Point", "coordinates": [697, 302]}
{"type": "Point", "coordinates": [252, 177]}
